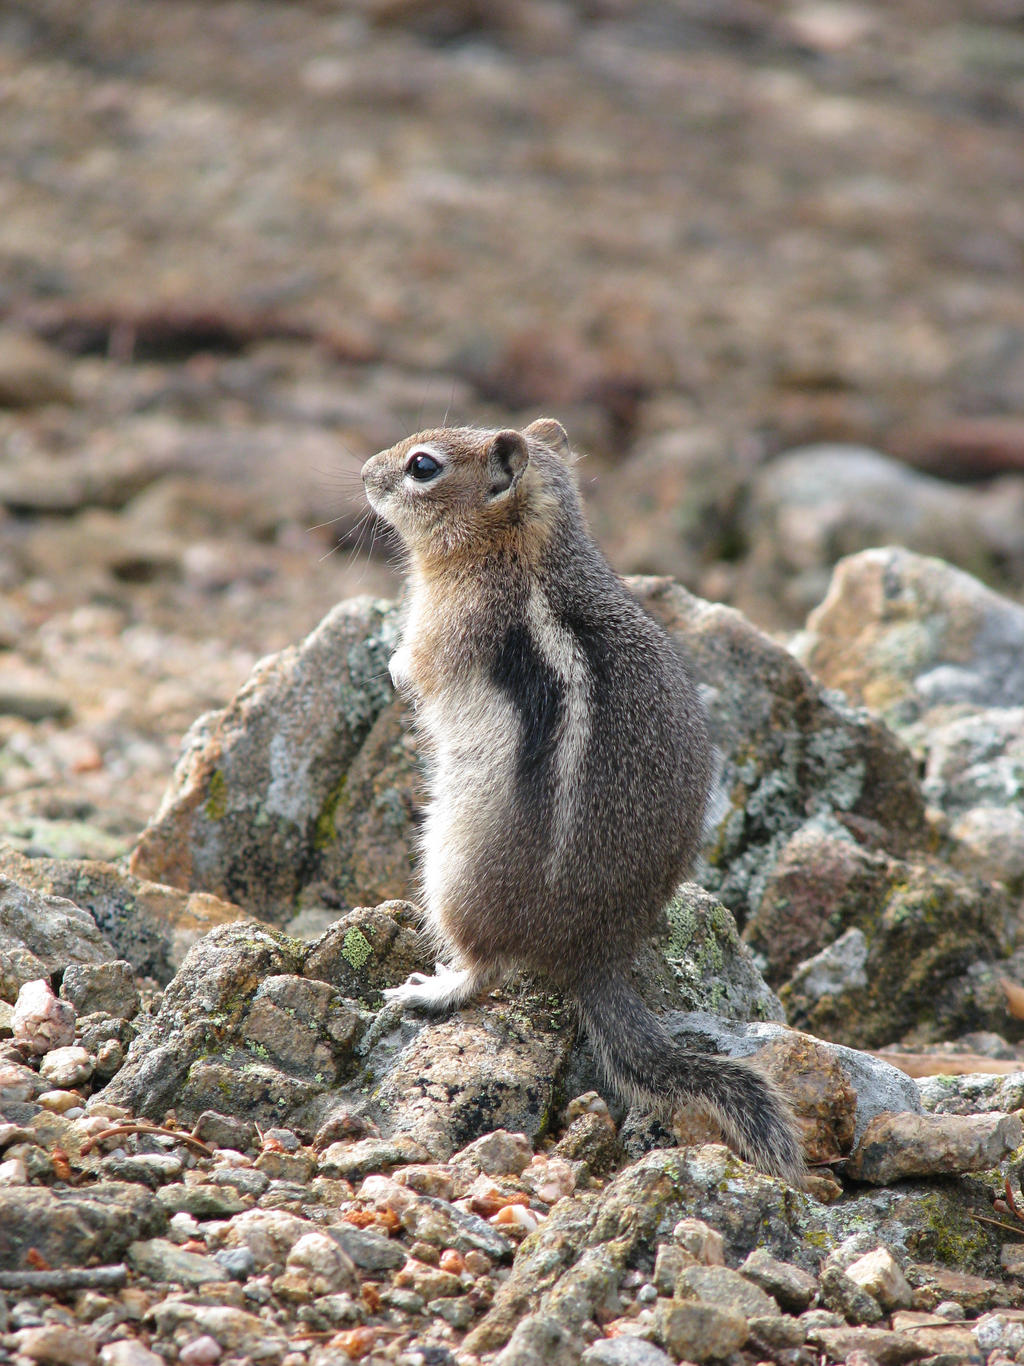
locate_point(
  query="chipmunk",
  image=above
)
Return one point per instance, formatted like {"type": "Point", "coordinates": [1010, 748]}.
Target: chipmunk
{"type": "Point", "coordinates": [570, 768]}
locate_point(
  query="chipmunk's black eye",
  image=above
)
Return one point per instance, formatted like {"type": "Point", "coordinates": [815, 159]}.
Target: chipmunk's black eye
{"type": "Point", "coordinates": [422, 466]}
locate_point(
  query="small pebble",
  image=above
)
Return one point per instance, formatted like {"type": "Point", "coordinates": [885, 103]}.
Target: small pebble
{"type": "Point", "coordinates": [950, 1310]}
{"type": "Point", "coordinates": [129, 1352]}
{"type": "Point", "coordinates": [40, 1021]}
{"type": "Point", "coordinates": [59, 1102]}
{"type": "Point", "coordinates": [647, 1294]}
{"type": "Point", "coordinates": [201, 1351]}
{"type": "Point", "coordinates": [13, 1173]}
{"type": "Point", "coordinates": [516, 1218]}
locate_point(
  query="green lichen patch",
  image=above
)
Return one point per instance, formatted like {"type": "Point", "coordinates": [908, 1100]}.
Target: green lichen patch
{"type": "Point", "coordinates": [356, 948]}
{"type": "Point", "coordinates": [217, 802]}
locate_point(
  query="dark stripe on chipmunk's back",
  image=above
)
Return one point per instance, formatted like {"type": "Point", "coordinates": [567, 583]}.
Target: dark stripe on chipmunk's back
{"type": "Point", "coordinates": [537, 693]}
{"type": "Point", "coordinates": [593, 641]}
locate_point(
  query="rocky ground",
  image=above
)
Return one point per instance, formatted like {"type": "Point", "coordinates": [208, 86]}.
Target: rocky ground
{"type": "Point", "coordinates": [761, 260]}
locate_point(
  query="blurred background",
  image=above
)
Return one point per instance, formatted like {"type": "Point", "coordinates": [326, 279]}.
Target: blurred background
{"type": "Point", "coordinates": [763, 259]}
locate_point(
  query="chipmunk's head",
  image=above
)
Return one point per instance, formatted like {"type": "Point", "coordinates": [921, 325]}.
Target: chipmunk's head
{"type": "Point", "coordinates": [468, 490]}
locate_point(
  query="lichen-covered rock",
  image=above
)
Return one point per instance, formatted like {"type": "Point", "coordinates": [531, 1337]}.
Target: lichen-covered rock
{"type": "Point", "coordinates": [789, 750]}
{"type": "Point", "coordinates": [890, 948]}
{"type": "Point", "coordinates": [368, 949]}
{"type": "Point", "coordinates": [976, 760]}
{"type": "Point", "coordinates": [585, 1244]}
{"type": "Point", "coordinates": [702, 964]}
{"type": "Point", "coordinates": [201, 1023]}
{"type": "Point", "coordinates": [150, 925]}
{"type": "Point", "coordinates": [251, 808]}
{"type": "Point", "coordinates": [41, 934]}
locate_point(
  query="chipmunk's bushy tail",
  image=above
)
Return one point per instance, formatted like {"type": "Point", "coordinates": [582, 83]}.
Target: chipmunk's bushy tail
{"type": "Point", "coordinates": [648, 1067]}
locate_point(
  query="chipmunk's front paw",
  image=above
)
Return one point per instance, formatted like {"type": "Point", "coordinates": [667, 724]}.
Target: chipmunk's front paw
{"type": "Point", "coordinates": [433, 995]}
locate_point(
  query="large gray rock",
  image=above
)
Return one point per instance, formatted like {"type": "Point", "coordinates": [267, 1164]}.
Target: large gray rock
{"type": "Point", "coordinates": [41, 934]}
{"type": "Point", "coordinates": [789, 749]}
{"type": "Point", "coordinates": [250, 813]}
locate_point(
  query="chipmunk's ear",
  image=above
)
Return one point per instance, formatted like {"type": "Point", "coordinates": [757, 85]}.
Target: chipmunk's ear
{"type": "Point", "coordinates": [507, 457]}
{"type": "Point", "coordinates": [553, 435]}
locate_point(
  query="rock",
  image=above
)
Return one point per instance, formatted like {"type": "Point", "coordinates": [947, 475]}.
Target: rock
{"type": "Point", "coordinates": [702, 964]}
{"type": "Point", "coordinates": [69, 1227]}
{"type": "Point", "coordinates": [903, 634]}
{"type": "Point", "coordinates": [66, 1067]}
{"type": "Point", "coordinates": [252, 804]}
{"type": "Point", "coordinates": [224, 1131]}
{"type": "Point", "coordinates": [350, 1161]}
{"type": "Point", "coordinates": [496, 1154]}
{"type": "Point", "coordinates": [880, 1274]}
{"type": "Point", "coordinates": [435, 1221]}
{"type": "Point", "coordinates": [161, 1260]}
{"type": "Point", "coordinates": [42, 934]}
{"type": "Point", "coordinates": [908, 934]}
{"type": "Point", "coordinates": [128, 1352]}
{"type": "Point", "coordinates": [367, 1249]}
{"type": "Point", "coordinates": [791, 1287]}
{"type": "Point", "coordinates": [973, 1094]}
{"type": "Point", "coordinates": [810, 506]}
{"type": "Point", "coordinates": [898, 1145]}
{"type": "Point", "coordinates": [877, 1345]}
{"type": "Point", "coordinates": [485, 1068]}
{"type": "Point", "coordinates": [725, 1288]}
{"type": "Point", "coordinates": [149, 925]}
{"type": "Point", "coordinates": [18, 1083]}
{"type": "Point", "coordinates": [55, 1345]}
{"type": "Point", "coordinates": [321, 1265]}
{"type": "Point", "coordinates": [578, 1254]}
{"type": "Point", "coordinates": [789, 751]}
{"type": "Point", "coordinates": [832, 1086]}
{"type": "Point", "coordinates": [976, 760]}
{"type": "Point", "coordinates": [700, 1241]}
{"type": "Point", "coordinates": [593, 1139]}
{"type": "Point", "coordinates": [624, 1351]}
{"type": "Point", "coordinates": [202, 1017]}
{"type": "Point", "coordinates": [41, 1022]}
{"type": "Point", "coordinates": [109, 987]}
{"type": "Point", "coordinates": [846, 1297]}
{"type": "Point", "coordinates": [236, 1330]}
{"type": "Point", "coordinates": [671, 506]}
{"type": "Point", "coordinates": [368, 949]}
{"type": "Point", "coordinates": [31, 695]}
{"type": "Point", "coordinates": [696, 1331]}
{"type": "Point", "coordinates": [31, 374]}
{"type": "Point", "coordinates": [268, 1234]}
{"type": "Point", "coordinates": [988, 842]}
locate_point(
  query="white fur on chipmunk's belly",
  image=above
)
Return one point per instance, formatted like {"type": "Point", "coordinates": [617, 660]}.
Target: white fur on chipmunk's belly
{"type": "Point", "coordinates": [474, 732]}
